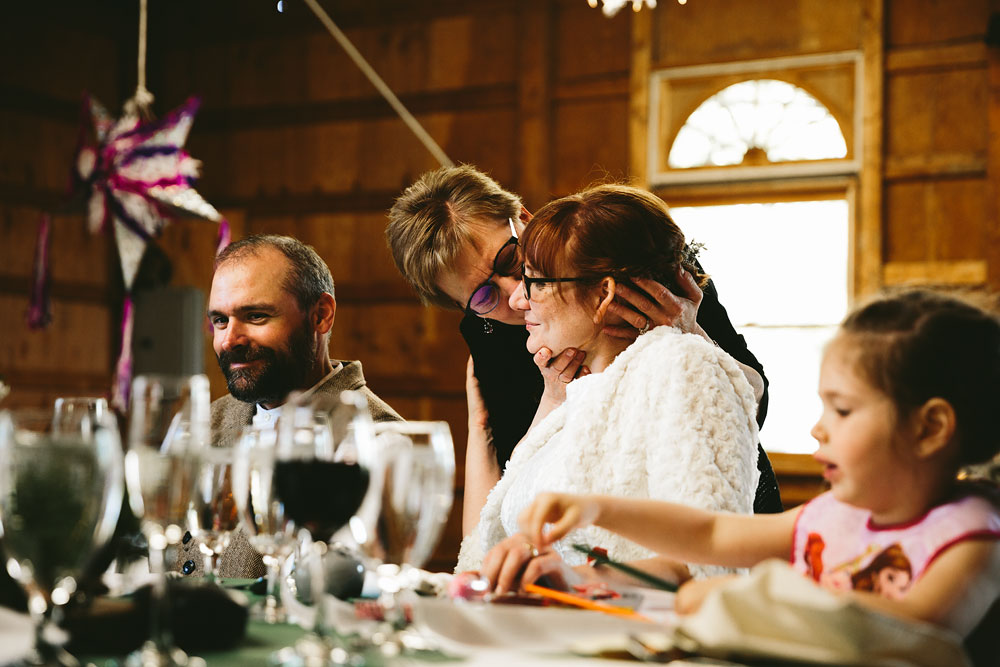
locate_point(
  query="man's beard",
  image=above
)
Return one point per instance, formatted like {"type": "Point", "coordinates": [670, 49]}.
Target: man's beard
{"type": "Point", "coordinates": [279, 373]}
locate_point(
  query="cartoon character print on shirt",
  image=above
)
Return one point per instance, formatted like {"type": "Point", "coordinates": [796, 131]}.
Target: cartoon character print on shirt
{"type": "Point", "coordinates": [888, 574]}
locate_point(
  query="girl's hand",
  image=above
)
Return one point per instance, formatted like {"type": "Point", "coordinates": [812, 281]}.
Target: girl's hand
{"type": "Point", "coordinates": [693, 593]}
{"type": "Point", "coordinates": [563, 511]}
{"type": "Point", "coordinates": [559, 371]}
{"type": "Point", "coordinates": [516, 561]}
{"type": "Point", "coordinates": [665, 308]}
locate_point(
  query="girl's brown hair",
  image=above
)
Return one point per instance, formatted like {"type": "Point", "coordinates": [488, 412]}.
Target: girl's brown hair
{"type": "Point", "coordinates": [918, 345]}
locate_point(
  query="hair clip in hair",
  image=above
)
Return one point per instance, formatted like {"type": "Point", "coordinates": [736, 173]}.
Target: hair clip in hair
{"type": "Point", "coordinates": [487, 326]}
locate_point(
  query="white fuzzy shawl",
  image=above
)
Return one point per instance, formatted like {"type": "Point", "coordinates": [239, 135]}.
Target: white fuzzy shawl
{"type": "Point", "coordinates": [672, 418]}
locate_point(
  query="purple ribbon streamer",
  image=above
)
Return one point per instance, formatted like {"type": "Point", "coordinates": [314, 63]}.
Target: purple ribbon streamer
{"type": "Point", "coordinates": [123, 369]}
{"type": "Point", "coordinates": [39, 310]}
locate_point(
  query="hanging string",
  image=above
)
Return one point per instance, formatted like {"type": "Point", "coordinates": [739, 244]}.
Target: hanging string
{"type": "Point", "coordinates": [380, 85]}
{"type": "Point", "coordinates": [143, 99]}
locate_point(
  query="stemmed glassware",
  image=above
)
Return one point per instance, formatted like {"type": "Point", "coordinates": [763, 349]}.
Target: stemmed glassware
{"type": "Point", "coordinates": [411, 494]}
{"type": "Point", "coordinates": [322, 455]}
{"type": "Point", "coordinates": [214, 516]}
{"type": "Point", "coordinates": [268, 527]}
{"type": "Point", "coordinates": [60, 496]}
{"type": "Point", "coordinates": [167, 436]}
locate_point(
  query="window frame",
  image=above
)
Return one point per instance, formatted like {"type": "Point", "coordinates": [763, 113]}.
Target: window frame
{"type": "Point", "coordinates": [658, 147]}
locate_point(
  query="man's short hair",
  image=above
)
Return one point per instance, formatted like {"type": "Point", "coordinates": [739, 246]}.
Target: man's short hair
{"type": "Point", "coordinates": [307, 279]}
{"type": "Point", "coordinates": [432, 221]}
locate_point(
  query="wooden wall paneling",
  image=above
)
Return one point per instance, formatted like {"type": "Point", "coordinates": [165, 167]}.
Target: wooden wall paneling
{"type": "Point", "coordinates": [60, 61]}
{"type": "Point", "coordinates": [911, 22]}
{"type": "Point", "coordinates": [534, 103]}
{"type": "Point", "coordinates": [800, 478]}
{"type": "Point", "coordinates": [489, 139]}
{"type": "Point", "coordinates": [992, 246]}
{"type": "Point", "coordinates": [589, 45]}
{"type": "Point", "coordinates": [731, 30]}
{"type": "Point", "coordinates": [76, 343]}
{"type": "Point", "coordinates": [37, 152]}
{"type": "Point", "coordinates": [934, 122]}
{"type": "Point", "coordinates": [936, 219]}
{"type": "Point", "coordinates": [868, 236]}
{"type": "Point", "coordinates": [577, 161]}
{"type": "Point", "coordinates": [638, 128]}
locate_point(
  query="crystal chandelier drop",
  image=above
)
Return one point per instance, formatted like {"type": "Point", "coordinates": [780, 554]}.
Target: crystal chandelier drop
{"type": "Point", "coordinates": [611, 7]}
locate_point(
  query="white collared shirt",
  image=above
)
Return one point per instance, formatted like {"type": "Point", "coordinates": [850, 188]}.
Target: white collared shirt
{"type": "Point", "coordinates": [267, 418]}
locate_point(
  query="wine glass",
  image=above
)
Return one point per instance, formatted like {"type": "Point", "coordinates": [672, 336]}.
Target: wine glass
{"type": "Point", "coordinates": [214, 516]}
{"type": "Point", "coordinates": [60, 496]}
{"type": "Point", "coordinates": [167, 435]}
{"type": "Point", "coordinates": [261, 513]}
{"type": "Point", "coordinates": [70, 409]}
{"type": "Point", "coordinates": [412, 486]}
{"type": "Point", "coordinates": [321, 476]}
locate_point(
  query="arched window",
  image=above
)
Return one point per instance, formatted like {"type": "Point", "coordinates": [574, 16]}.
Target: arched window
{"type": "Point", "coordinates": [757, 122]}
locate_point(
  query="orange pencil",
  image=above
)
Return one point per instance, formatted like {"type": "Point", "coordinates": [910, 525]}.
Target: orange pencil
{"type": "Point", "coordinates": [578, 601]}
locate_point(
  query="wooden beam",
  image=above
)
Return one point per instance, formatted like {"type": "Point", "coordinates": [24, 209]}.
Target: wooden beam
{"type": "Point", "coordinates": [307, 203]}
{"type": "Point", "coordinates": [938, 57]}
{"type": "Point", "coordinates": [867, 235]}
{"type": "Point", "coordinates": [638, 120]}
{"type": "Point", "coordinates": [61, 289]}
{"type": "Point", "coordinates": [754, 191]}
{"type": "Point", "coordinates": [961, 272]}
{"type": "Point", "coordinates": [473, 98]}
{"type": "Point", "coordinates": [62, 381]}
{"type": "Point", "coordinates": [606, 87]}
{"type": "Point", "coordinates": [375, 293]}
{"type": "Point", "coordinates": [915, 167]}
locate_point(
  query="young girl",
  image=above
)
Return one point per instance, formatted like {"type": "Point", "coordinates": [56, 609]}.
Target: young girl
{"type": "Point", "coordinates": [910, 389]}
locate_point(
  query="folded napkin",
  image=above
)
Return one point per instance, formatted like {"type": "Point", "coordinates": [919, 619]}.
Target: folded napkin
{"type": "Point", "coordinates": [776, 613]}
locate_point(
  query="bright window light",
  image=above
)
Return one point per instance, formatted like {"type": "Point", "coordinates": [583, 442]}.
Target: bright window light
{"type": "Point", "coordinates": [781, 273]}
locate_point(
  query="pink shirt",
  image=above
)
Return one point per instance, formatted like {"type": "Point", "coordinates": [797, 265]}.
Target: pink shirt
{"type": "Point", "coordinates": [836, 544]}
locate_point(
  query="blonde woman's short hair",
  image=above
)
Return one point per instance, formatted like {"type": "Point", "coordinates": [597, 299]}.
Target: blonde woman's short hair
{"type": "Point", "coordinates": [434, 219]}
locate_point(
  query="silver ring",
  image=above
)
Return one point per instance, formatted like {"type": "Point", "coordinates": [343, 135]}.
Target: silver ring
{"type": "Point", "coordinates": [645, 327]}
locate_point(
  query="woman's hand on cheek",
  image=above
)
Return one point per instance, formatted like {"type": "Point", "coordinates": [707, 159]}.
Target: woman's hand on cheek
{"type": "Point", "coordinates": [693, 593]}
{"type": "Point", "coordinates": [664, 308]}
{"type": "Point", "coordinates": [559, 371]}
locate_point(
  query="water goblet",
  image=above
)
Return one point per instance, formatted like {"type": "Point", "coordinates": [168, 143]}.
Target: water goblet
{"type": "Point", "coordinates": [60, 496]}
{"type": "Point", "coordinates": [167, 435]}
{"type": "Point", "coordinates": [70, 409]}
{"type": "Point", "coordinates": [412, 486]}
{"type": "Point", "coordinates": [261, 513]}
{"type": "Point", "coordinates": [320, 477]}
{"type": "Point", "coordinates": [214, 517]}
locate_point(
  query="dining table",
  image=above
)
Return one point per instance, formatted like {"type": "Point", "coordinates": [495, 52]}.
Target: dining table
{"type": "Point", "coordinates": [473, 634]}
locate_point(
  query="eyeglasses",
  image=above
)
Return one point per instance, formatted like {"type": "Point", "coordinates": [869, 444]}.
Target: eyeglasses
{"type": "Point", "coordinates": [529, 281]}
{"type": "Point", "coordinates": [486, 296]}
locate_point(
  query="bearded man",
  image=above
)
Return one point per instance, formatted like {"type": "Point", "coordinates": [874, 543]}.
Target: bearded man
{"type": "Point", "coordinates": [271, 309]}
